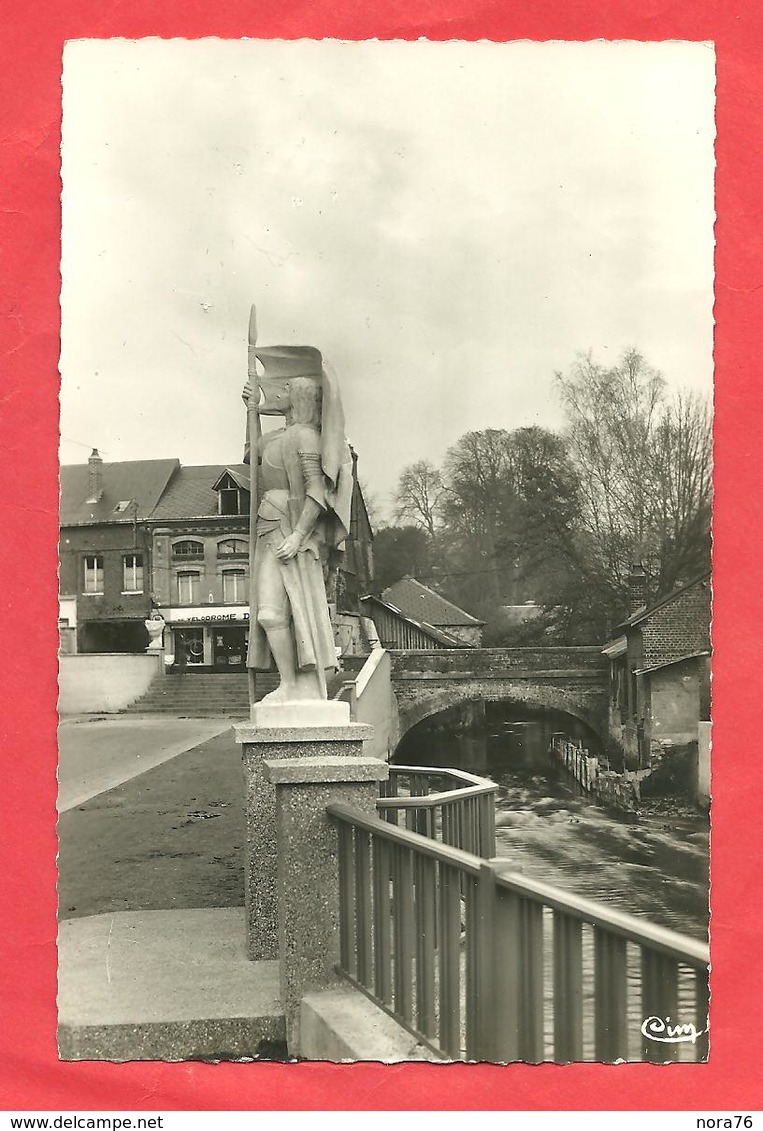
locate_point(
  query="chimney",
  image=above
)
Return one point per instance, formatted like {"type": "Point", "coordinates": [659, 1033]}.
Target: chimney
{"type": "Point", "coordinates": [637, 589]}
{"type": "Point", "coordinates": [94, 477]}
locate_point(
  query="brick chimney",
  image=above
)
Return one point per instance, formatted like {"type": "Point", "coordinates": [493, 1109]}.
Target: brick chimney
{"type": "Point", "coordinates": [94, 477]}
{"type": "Point", "coordinates": [638, 594]}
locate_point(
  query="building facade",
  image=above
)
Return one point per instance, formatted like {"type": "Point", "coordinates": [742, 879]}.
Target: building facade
{"type": "Point", "coordinates": [200, 567]}
{"type": "Point", "coordinates": [150, 539]}
{"type": "Point", "coordinates": [200, 570]}
{"type": "Point", "coordinates": [104, 552]}
{"type": "Point", "coordinates": [660, 677]}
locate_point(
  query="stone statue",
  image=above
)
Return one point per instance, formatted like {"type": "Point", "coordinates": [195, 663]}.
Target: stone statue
{"type": "Point", "coordinates": [155, 628]}
{"type": "Point", "coordinates": [301, 496]}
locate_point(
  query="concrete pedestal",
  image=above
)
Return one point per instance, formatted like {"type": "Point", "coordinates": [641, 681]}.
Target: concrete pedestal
{"type": "Point", "coordinates": [281, 732]}
{"type": "Point", "coordinates": [307, 854]}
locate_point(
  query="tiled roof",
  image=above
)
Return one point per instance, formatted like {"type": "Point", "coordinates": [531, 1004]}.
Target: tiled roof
{"type": "Point", "coordinates": [140, 480]}
{"type": "Point", "coordinates": [423, 604]}
{"type": "Point", "coordinates": [429, 630]}
{"type": "Point", "coordinates": [191, 493]}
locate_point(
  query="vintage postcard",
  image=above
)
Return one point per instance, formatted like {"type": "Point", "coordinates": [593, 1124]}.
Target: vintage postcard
{"type": "Point", "coordinates": [385, 557]}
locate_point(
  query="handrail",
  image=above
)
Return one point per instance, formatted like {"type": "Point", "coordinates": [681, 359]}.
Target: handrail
{"type": "Point", "coordinates": [461, 952]}
{"type": "Point", "coordinates": [684, 949]}
{"type": "Point", "coordinates": [435, 849]}
{"type": "Point", "coordinates": [476, 787]}
{"type": "Point", "coordinates": [691, 951]}
{"type": "Point", "coordinates": [462, 817]}
{"type": "Point", "coordinates": [430, 800]}
{"type": "Point", "coordinates": [440, 771]}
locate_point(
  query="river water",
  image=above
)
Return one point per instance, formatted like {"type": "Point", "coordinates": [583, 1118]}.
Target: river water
{"type": "Point", "coordinates": [654, 865]}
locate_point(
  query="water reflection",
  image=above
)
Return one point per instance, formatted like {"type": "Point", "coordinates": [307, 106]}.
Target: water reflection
{"type": "Point", "coordinates": [655, 867]}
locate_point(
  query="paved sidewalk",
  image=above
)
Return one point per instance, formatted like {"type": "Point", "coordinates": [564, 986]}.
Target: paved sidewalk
{"type": "Point", "coordinates": [95, 755]}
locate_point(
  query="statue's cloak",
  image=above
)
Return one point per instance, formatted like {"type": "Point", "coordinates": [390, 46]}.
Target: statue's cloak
{"type": "Point", "coordinates": [304, 575]}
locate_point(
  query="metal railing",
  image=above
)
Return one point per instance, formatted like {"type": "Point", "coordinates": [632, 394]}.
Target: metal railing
{"type": "Point", "coordinates": [451, 806]}
{"type": "Point", "coordinates": [481, 964]}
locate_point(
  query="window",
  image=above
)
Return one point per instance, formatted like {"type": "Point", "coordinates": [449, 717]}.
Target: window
{"type": "Point", "coordinates": [232, 548]}
{"type": "Point", "coordinates": [233, 587]}
{"type": "Point", "coordinates": [93, 574]}
{"type": "Point", "coordinates": [188, 548]}
{"type": "Point", "coordinates": [132, 573]}
{"type": "Point", "coordinates": [188, 587]}
{"type": "Point", "coordinates": [230, 500]}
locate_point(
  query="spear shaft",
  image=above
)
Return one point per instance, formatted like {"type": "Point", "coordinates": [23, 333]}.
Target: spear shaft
{"type": "Point", "coordinates": [253, 438]}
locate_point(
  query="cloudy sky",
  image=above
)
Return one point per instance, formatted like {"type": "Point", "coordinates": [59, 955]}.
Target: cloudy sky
{"type": "Point", "coordinates": [449, 223]}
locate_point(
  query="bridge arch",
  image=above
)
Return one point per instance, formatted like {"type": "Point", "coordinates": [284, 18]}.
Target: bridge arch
{"type": "Point", "coordinates": [534, 697]}
{"type": "Point", "coordinates": [573, 681]}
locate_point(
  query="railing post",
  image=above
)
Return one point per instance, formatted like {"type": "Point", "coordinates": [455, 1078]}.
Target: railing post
{"type": "Point", "coordinates": [568, 989]}
{"type": "Point", "coordinates": [481, 1033]}
{"type": "Point", "coordinates": [659, 998]}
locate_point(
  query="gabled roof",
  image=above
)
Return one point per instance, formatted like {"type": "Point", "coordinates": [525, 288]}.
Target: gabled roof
{"type": "Point", "coordinates": [644, 613]}
{"type": "Point", "coordinates": [140, 481]}
{"type": "Point", "coordinates": [436, 634]}
{"type": "Point", "coordinates": [238, 478]}
{"type": "Point", "coordinates": [191, 492]}
{"type": "Point", "coordinates": [422, 604]}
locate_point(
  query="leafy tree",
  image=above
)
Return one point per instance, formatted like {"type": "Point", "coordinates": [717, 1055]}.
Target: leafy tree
{"type": "Point", "coordinates": [400, 551]}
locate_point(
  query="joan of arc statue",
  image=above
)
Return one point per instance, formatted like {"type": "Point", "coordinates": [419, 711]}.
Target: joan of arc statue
{"type": "Point", "coordinates": [301, 497]}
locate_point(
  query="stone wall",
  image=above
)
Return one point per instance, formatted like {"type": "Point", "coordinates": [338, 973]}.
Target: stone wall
{"type": "Point", "coordinates": [374, 703]}
{"type": "Point", "coordinates": [497, 660]}
{"type": "Point", "coordinates": [93, 683]}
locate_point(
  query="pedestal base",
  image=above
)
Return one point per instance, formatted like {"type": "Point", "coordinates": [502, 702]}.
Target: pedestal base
{"type": "Point", "coordinates": [301, 713]}
{"type": "Point", "coordinates": [279, 739]}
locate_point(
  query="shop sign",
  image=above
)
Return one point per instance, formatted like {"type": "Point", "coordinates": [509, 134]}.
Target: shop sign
{"type": "Point", "coordinates": [206, 614]}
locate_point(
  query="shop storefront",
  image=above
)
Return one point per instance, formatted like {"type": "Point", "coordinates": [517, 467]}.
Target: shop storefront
{"type": "Point", "coordinates": [212, 638]}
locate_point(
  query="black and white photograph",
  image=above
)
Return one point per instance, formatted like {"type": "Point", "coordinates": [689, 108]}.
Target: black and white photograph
{"type": "Point", "coordinates": [385, 551]}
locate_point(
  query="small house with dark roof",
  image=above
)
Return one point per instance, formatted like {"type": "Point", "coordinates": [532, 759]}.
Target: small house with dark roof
{"type": "Point", "coordinates": [660, 679]}
{"type": "Point", "coordinates": [105, 553]}
{"type": "Point", "coordinates": [422, 605]}
{"type": "Point", "coordinates": [396, 630]}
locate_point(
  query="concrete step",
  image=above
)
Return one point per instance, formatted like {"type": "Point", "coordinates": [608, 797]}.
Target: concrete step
{"type": "Point", "coordinates": [164, 985]}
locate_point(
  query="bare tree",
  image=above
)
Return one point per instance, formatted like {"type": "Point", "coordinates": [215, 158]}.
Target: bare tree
{"type": "Point", "coordinates": [419, 496]}
{"type": "Point", "coordinates": [643, 466]}
{"type": "Point", "coordinates": [682, 474]}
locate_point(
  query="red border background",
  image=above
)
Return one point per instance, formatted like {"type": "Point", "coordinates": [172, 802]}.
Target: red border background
{"type": "Point", "coordinates": [30, 65]}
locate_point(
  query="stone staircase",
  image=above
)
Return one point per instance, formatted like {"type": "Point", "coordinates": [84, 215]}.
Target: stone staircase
{"type": "Point", "coordinates": [202, 694]}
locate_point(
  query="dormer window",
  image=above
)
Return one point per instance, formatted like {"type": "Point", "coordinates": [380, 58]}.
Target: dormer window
{"type": "Point", "coordinates": [229, 500]}
{"type": "Point", "coordinates": [188, 548]}
{"type": "Point", "coordinates": [232, 495]}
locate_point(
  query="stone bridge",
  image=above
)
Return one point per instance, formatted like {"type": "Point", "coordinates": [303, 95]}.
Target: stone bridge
{"type": "Point", "coordinates": [572, 680]}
